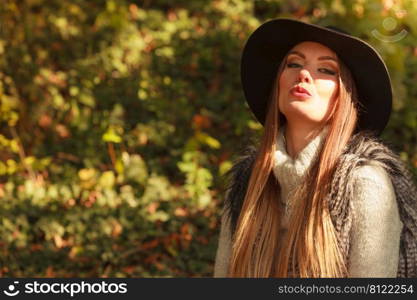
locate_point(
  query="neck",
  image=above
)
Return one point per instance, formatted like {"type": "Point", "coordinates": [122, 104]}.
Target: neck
{"type": "Point", "coordinates": [298, 136]}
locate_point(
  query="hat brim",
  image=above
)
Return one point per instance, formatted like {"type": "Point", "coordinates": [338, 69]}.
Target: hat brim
{"type": "Point", "coordinates": [268, 45]}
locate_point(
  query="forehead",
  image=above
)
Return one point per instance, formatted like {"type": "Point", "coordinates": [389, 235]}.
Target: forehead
{"type": "Point", "coordinates": [310, 48]}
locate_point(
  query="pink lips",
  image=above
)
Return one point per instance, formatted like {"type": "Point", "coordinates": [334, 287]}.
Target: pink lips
{"type": "Point", "coordinates": [300, 92]}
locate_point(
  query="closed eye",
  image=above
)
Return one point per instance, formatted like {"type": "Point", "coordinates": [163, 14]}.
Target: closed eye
{"type": "Point", "coordinates": [293, 65]}
{"type": "Point", "coordinates": [323, 70]}
{"type": "Point", "coordinates": [328, 71]}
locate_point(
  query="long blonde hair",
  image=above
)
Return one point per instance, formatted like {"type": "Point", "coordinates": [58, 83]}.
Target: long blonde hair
{"type": "Point", "coordinates": [310, 246]}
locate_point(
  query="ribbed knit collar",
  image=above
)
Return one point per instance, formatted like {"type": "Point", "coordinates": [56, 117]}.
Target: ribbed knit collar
{"type": "Point", "coordinates": [289, 171]}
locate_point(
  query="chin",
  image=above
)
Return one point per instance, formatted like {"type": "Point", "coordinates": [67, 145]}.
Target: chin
{"type": "Point", "coordinates": [303, 116]}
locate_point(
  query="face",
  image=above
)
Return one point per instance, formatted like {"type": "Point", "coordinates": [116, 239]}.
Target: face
{"type": "Point", "coordinates": [308, 85]}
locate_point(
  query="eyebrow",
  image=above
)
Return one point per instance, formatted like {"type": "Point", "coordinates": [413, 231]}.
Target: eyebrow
{"type": "Point", "coordinates": [320, 58]}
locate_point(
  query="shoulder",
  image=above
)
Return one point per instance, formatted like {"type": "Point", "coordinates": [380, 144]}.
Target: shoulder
{"type": "Point", "coordinates": [372, 161]}
{"type": "Point", "coordinates": [372, 173]}
{"type": "Point", "coordinates": [244, 161]}
{"type": "Point", "coordinates": [374, 166]}
{"type": "Point", "coordinates": [374, 194]}
{"type": "Point", "coordinates": [368, 147]}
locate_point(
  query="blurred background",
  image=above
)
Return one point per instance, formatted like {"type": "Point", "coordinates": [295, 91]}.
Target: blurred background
{"type": "Point", "coordinates": [119, 119]}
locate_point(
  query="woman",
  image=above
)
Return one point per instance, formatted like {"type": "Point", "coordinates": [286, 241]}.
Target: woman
{"type": "Point", "coordinates": [321, 196]}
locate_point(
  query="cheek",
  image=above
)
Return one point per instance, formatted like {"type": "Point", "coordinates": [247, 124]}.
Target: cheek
{"type": "Point", "coordinates": [327, 89]}
{"type": "Point", "coordinates": [327, 93]}
{"type": "Point", "coordinates": [284, 81]}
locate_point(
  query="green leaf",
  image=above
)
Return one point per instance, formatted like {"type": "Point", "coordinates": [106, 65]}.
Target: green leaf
{"type": "Point", "coordinates": [107, 179]}
{"type": "Point", "coordinates": [111, 136]}
{"type": "Point", "coordinates": [208, 140]}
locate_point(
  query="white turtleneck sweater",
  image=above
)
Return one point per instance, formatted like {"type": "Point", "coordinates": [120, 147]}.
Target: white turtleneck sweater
{"type": "Point", "coordinates": [376, 228]}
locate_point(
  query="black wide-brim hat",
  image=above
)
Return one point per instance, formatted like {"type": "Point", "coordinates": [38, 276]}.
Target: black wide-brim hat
{"type": "Point", "coordinates": [269, 43]}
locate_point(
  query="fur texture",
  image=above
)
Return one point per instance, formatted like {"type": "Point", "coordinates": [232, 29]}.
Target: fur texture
{"type": "Point", "coordinates": [363, 149]}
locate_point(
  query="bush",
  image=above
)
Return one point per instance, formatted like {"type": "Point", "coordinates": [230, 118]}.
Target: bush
{"type": "Point", "coordinates": [119, 119]}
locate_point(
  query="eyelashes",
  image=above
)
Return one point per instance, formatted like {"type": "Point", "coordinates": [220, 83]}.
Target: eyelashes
{"type": "Point", "coordinates": [322, 70]}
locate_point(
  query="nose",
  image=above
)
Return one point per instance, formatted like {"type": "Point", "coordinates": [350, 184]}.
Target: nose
{"type": "Point", "coordinates": [304, 76]}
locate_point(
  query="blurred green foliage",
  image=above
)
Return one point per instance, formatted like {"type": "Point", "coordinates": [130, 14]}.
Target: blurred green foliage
{"type": "Point", "coordinates": [119, 118]}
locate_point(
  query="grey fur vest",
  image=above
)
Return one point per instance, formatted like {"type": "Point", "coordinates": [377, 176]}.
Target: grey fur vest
{"type": "Point", "coordinates": [362, 149]}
